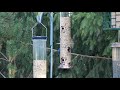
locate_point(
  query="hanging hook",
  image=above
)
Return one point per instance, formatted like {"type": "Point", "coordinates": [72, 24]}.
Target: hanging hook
{"type": "Point", "coordinates": [39, 17]}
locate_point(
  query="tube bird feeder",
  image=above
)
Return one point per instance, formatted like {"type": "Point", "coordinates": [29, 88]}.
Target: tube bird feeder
{"type": "Point", "coordinates": [39, 20]}
{"type": "Point", "coordinates": [39, 55]}
{"type": "Point", "coordinates": [65, 40]}
{"type": "Point", "coordinates": [111, 21]}
{"type": "Point", "coordinates": [116, 59]}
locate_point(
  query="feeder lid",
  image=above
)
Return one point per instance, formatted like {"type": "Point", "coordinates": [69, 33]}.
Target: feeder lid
{"type": "Point", "coordinates": [117, 44]}
{"type": "Point", "coordinates": [39, 37]}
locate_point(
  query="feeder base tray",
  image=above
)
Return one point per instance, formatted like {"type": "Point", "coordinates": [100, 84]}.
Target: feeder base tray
{"type": "Point", "coordinates": [61, 66]}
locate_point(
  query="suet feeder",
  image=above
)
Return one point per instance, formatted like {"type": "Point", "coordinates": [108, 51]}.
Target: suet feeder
{"type": "Point", "coordinates": [116, 59]}
{"type": "Point", "coordinates": [65, 41]}
{"type": "Point", "coordinates": [39, 55]}
{"type": "Point", "coordinates": [111, 21]}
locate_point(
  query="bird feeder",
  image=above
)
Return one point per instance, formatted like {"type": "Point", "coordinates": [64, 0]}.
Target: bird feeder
{"type": "Point", "coordinates": [39, 55]}
{"type": "Point", "coordinates": [116, 59]}
{"type": "Point", "coordinates": [65, 40]}
{"type": "Point", "coordinates": [111, 21]}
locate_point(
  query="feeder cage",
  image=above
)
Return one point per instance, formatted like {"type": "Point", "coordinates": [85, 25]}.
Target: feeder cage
{"type": "Point", "coordinates": [116, 59]}
{"type": "Point", "coordinates": [39, 56]}
{"type": "Point", "coordinates": [111, 20]}
{"type": "Point", "coordinates": [65, 40]}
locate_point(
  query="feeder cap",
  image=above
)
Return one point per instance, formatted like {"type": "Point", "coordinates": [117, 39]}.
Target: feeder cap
{"type": "Point", "coordinates": [39, 37]}
{"type": "Point", "coordinates": [117, 44]}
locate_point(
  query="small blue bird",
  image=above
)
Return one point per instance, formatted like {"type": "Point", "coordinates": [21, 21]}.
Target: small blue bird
{"type": "Point", "coordinates": [59, 51]}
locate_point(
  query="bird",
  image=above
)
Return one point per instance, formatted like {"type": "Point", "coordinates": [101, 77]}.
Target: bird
{"type": "Point", "coordinates": [59, 51]}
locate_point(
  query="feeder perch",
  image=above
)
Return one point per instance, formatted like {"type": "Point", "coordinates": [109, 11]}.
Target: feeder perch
{"type": "Point", "coordinates": [39, 55]}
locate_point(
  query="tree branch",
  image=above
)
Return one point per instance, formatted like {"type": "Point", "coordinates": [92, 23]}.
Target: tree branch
{"type": "Point", "coordinates": [29, 74]}
{"type": "Point", "coordinates": [4, 56]}
{"type": "Point", "coordinates": [4, 59]}
{"type": "Point", "coordinates": [2, 75]}
{"type": "Point", "coordinates": [82, 55]}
